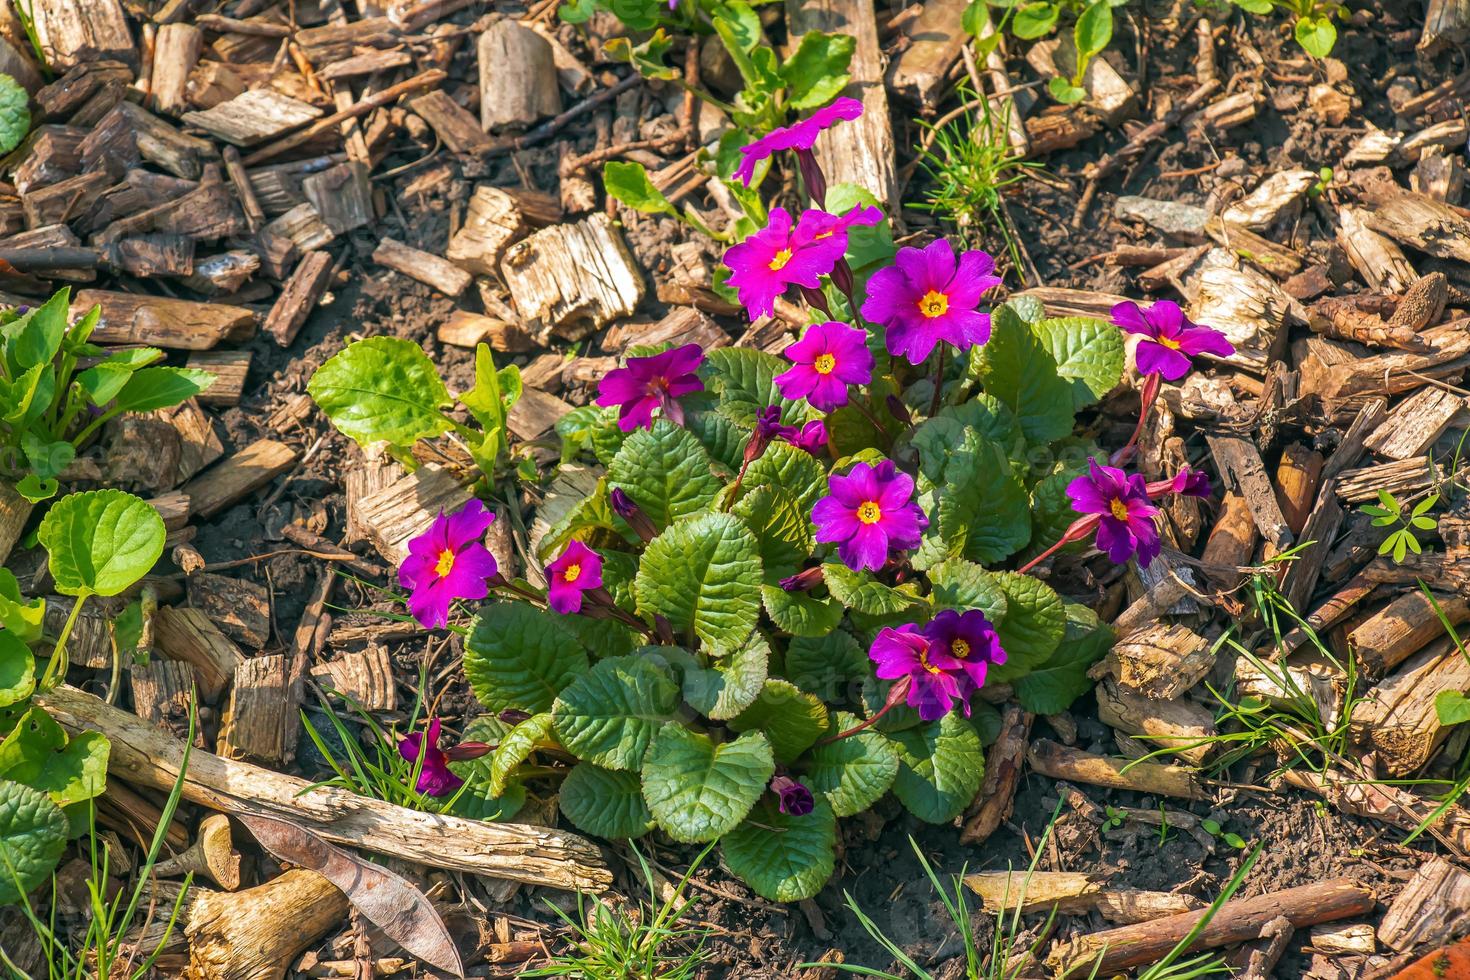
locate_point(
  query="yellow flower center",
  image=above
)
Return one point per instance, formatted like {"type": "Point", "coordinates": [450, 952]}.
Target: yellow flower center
{"type": "Point", "coordinates": [1119, 509]}
{"type": "Point", "coordinates": [960, 649]}
{"type": "Point", "coordinates": [868, 512]}
{"type": "Point", "coordinates": [571, 573]}
{"type": "Point", "coordinates": [924, 662]}
{"type": "Point", "coordinates": [781, 258]}
{"type": "Point", "coordinates": [934, 304]}
{"type": "Point", "coordinates": [1168, 342]}
{"type": "Point", "coordinates": [445, 564]}
{"type": "Point", "coordinates": [825, 364]}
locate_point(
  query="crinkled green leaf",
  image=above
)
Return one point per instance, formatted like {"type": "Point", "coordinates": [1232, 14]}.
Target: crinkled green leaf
{"type": "Point", "coordinates": [666, 472]}
{"type": "Point", "coordinates": [793, 470]}
{"type": "Point", "coordinates": [781, 527]}
{"type": "Point", "coordinates": [826, 665]}
{"type": "Point", "coordinates": [982, 511]}
{"type": "Point", "coordinates": [860, 591]}
{"type": "Point", "coordinates": [731, 685]}
{"type": "Point", "coordinates": [610, 714]}
{"type": "Point", "coordinates": [698, 790]}
{"type": "Point", "coordinates": [1052, 687]}
{"type": "Point", "coordinates": [516, 747]}
{"type": "Point", "coordinates": [783, 858]}
{"type": "Point", "coordinates": [382, 389]}
{"type": "Point", "coordinates": [1033, 625]}
{"type": "Point", "coordinates": [33, 833]}
{"type": "Point", "coordinates": [704, 575]}
{"type": "Point", "coordinates": [940, 768]}
{"type": "Point", "coordinates": [101, 541]}
{"type": "Point", "coordinates": [723, 439]}
{"type": "Point", "coordinates": [605, 803]}
{"type": "Point", "coordinates": [1017, 369]}
{"type": "Point", "coordinates": [518, 656]}
{"type": "Point", "coordinates": [791, 718]}
{"type": "Point", "coordinates": [1088, 352]}
{"type": "Point", "coordinates": [801, 613]}
{"type": "Point", "coordinates": [744, 380]}
{"type": "Point", "coordinates": [15, 113]}
{"type": "Point", "coordinates": [852, 772]}
{"type": "Point", "coordinates": [961, 585]}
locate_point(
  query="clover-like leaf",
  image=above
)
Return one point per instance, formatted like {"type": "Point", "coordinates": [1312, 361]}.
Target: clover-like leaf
{"type": "Point", "coordinates": [704, 575]}
{"type": "Point", "coordinates": [99, 542]}
{"type": "Point", "coordinates": [784, 858]}
{"type": "Point", "coordinates": [666, 472]}
{"type": "Point", "coordinates": [940, 768]}
{"type": "Point", "coordinates": [610, 714]}
{"type": "Point", "coordinates": [33, 834]}
{"type": "Point", "coordinates": [382, 389]}
{"type": "Point", "coordinates": [791, 718]}
{"type": "Point", "coordinates": [852, 772]}
{"type": "Point", "coordinates": [518, 656]}
{"type": "Point", "coordinates": [604, 802]}
{"type": "Point", "coordinates": [698, 790]}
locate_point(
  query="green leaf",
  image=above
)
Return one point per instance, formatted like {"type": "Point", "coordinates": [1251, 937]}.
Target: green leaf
{"type": "Point", "coordinates": [33, 833]}
{"type": "Point", "coordinates": [17, 670]}
{"type": "Point", "coordinates": [860, 591]}
{"type": "Point", "coordinates": [1051, 508]}
{"type": "Point", "coordinates": [698, 790]}
{"type": "Point", "coordinates": [781, 528]}
{"type": "Point", "coordinates": [1255, 6]}
{"type": "Point", "coordinates": [160, 387]}
{"type": "Point", "coordinates": [1087, 352]}
{"type": "Point", "coordinates": [962, 585]}
{"type": "Point", "coordinates": [725, 440]}
{"type": "Point", "coordinates": [36, 337]}
{"type": "Point", "coordinates": [983, 513]}
{"type": "Point", "coordinates": [101, 541]}
{"type": "Point", "coordinates": [38, 754]}
{"type": "Point", "coordinates": [15, 113]}
{"type": "Point", "coordinates": [744, 380]}
{"type": "Point", "coordinates": [1017, 369]}
{"type": "Point", "coordinates": [1093, 31]}
{"type": "Point", "coordinates": [382, 389]}
{"type": "Point", "coordinates": [793, 470]}
{"type": "Point", "coordinates": [1316, 34]}
{"type": "Point", "coordinates": [791, 718]}
{"type": "Point", "coordinates": [629, 183]}
{"type": "Point", "coordinates": [783, 858]}
{"type": "Point", "coordinates": [516, 747]}
{"type": "Point", "coordinates": [940, 768]}
{"type": "Point", "coordinates": [704, 575]}
{"type": "Point", "coordinates": [852, 772]}
{"type": "Point", "coordinates": [1064, 91]}
{"type": "Point", "coordinates": [518, 656]}
{"type": "Point", "coordinates": [1034, 623]}
{"type": "Point", "coordinates": [826, 665]}
{"type": "Point", "coordinates": [610, 714]}
{"type": "Point", "coordinates": [1052, 687]}
{"type": "Point", "coordinates": [605, 803]}
{"type": "Point", "coordinates": [1033, 20]}
{"type": "Point", "coordinates": [727, 688]}
{"type": "Point", "coordinates": [742, 24]}
{"type": "Point", "coordinates": [647, 58]}
{"type": "Point", "coordinates": [666, 472]}
{"type": "Point", "coordinates": [103, 381]}
{"type": "Point", "coordinates": [1452, 708]}
{"type": "Point", "coordinates": [817, 71]}
{"type": "Point", "coordinates": [24, 399]}
{"type": "Point", "coordinates": [490, 402]}
{"type": "Point", "coordinates": [22, 618]}
{"type": "Point", "coordinates": [47, 458]}
{"type": "Point", "coordinates": [801, 613]}
{"type": "Point", "coordinates": [477, 801]}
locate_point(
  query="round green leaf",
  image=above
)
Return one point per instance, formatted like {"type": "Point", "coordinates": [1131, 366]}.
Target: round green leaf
{"type": "Point", "coordinates": [852, 772]}
{"type": "Point", "coordinates": [382, 389]}
{"type": "Point", "coordinates": [101, 541]}
{"type": "Point", "coordinates": [727, 688]}
{"type": "Point", "coordinates": [15, 114]}
{"type": "Point", "coordinates": [666, 471]}
{"type": "Point", "coordinates": [1033, 20]}
{"type": "Point", "coordinates": [801, 613]}
{"type": "Point", "coordinates": [17, 670]}
{"type": "Point", "coordinates": [791, 718]}
{"type": "Point", "coordinates": [784, 858]}
{"type": "Point", "coordinates": [704, 575]}
{"type": "Point", "coordinates": [794, 470]}
{"type": "Point", "coordinates": [610, 714]}
{"type": "Point", "coordinates": [698, 790]}
{"type": "Point", "coordinates": [826, 665]}
{"type": "Point", "coordinates": [961, 585]}
{"type": "Point", "coordinates": [516, 747]}
{"type": "Point", "coordinates": [32, 836]}
{"type": "Point", "coordinates": [37, 753]}
{"type": "Point", "coordinates": [940, 768]}
{"type": "Point", "coordinates": [1316, 34]}
{"type": "Point", "coordinates": [521, 657]}
{"type": "Point", "coordinates": [605, 803]}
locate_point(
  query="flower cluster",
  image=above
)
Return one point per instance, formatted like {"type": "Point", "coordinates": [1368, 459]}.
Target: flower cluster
{"type": "Point", "coordinates": [939, 664]}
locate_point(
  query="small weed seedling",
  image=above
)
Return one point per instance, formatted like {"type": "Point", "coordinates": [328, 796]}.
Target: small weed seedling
{"type": "Point", "coordinates": [1215, 830]}
{"type": "Point", "coordinates": [1324, 180]}
{"type": "Point", "coordinates": [1112, 819]}
{"type": "Point", "coordinates": [1390, 512]}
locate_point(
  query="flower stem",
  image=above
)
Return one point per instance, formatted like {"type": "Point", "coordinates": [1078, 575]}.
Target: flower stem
{"type": "Point", "coordinates": [896, 694]}
{"type": "Point", "coordinates": [56, 668]}
{"type": "Point", "coordinates": [1042, 557]}
{"type": "Point", "coordinates": [1149, 394]}
{"type": "Point", "coordinates": [938, 384]}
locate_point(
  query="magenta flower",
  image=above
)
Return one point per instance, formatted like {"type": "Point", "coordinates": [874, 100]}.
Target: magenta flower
{"type": "Point", "coordinates": [867, 512]}
{"type": "Point", "coordinates": [435, 776]}
{"type": "Point", "coordinates": [1188, 482]}
{"type": "Point", "coordinates": [926, 297]}
{"type": "Point", "coordinates": [652, 382]}
{"type": "Point", "coordinates": [934, 679]}
{"type": "Point", "coordinates": [781, 255]}
{"type": "Point", "coordinates": [448, 562]}
{"type": "Point", "coordinates": [1126, 518]}
{"type": "Point", "coordinates": [578, 569]}
{"type": "Point", "coordinates": [969, 639]}
{"type": "Point", "coordinates": [827, 359]}
{"type": "Point", "coordinates": [798, 136]}
{"type": "Point", "coordinates": [1170, 340]}
{"type": "Point", "coordinates": [812, 438]}
{"type": "Point", "coordinates": [792, 798]}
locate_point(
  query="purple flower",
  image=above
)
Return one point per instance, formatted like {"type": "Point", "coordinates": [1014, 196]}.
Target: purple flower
{"type": "Point", "coordinates": [652, 382]}
{"type": "Point", "coordinates": [969, 639]}
{"type": "Point", "coordinates": [792, 798]}
{"type": "Point", "coordinates": [626, 508]}
{"type": "Point", "coordinates": [781, 254]}
{"type": "Point", "coordinates": [576, 570]}
{"type": "Point", "coordinates": [1169, 338]}
{"type": "Point", "coordinates": [435, 776]}
{"type": "Point", "coordinates": [448, 562]}
{"type": "Point", "coordinates": [1189, 482]}
{"type": "Point", "coordinates": [798, 136]}
{"type": "Point", "coordinates": [812, 438]}
{"type": "Point", "coordinates": [827, 359]}
{"type": "Point", "coordinates": [867, 512]}
{"type": "Point", "coordinates": [935, 679]}
{"type": "Point", "coordinates": [1126, 518]}
{"type": "Point", "coordinates": [926, 297]}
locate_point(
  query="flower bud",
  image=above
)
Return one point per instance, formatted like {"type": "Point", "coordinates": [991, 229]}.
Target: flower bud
{"type": "Point", "coordinates": [803, 581]}
{"type": "Point", "coordinates": [793, 799]}
{"type": "Point", "coordinates": [624, 507]}
{"type": "Point", "coordinates": [812, 177]}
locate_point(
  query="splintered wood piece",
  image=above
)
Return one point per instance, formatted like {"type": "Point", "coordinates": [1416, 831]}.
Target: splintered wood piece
{"type": "Point", "coordinates": [239, 475]}
{"type": "Point", "coordinates": [992, 805]}
{"type": "Point", "coordinates": [1074, 765]}
{"type": "Point", "coordinates": [239, 607]}
{"type": "Point", "coordinates": [1358, 794]}
{"type": "Point", "coordinates": [1274, 198]}
{"type": "Point", "coordinates": [173, 508]}
{"type": "Point", "coordinates": [129, 133]}
{"type": "Point", "coordinates": [456, 126]}
{"type": "Point", "coordinates": [573, 279]}
{"type": "Point", "coordinates": [1429, 909]}
{"type": "Point", "coordinates": [90, 643]}
{"type": "Point", "coordinates": [365, 676]}
{"type": "Point", "coordinates": [465, 329]}
{"type": "Point", "coordinates": [1240, 464]}
{"type": "Point", "coordinates": [230, 369]}
{"type": "Point", "coordinates": [369, 63]}
{"type": "Point", "coordinates": [189, 636]}
{"type": "Point", "coordinates": [920, 73]}
{"type": "Point", "coordinates": [1231, 544]}
{"type": "Point", "coordinates": [492, 222]}
{"type": "Point", "coordinates": [260, 931]}
{"type": "Point", "coordinates": [860, 151]}
{"type": "Point", "coordinates": [175, 52]}
{"type": "Point", "coordinates": [1297, 479]}
{"type": "Point", "coordinates": [1398, 717]}
{"type": "Point", "coordinates": [1071, 893]}
{"type": "Point", "coordinates": [1418, 221]}
{"type": "Point", "coordinates": [141, 754]}
{"type": "Point", "coordinates": [428, 269]}
{"type": "Point", "coordinates": [15, 510]}
{"type": "Point", "coordinates": [1161, 661]}
{"type": "Point", "coordinates": [1350, 939]}
{"type": "Point", "coordinates": [253, 117]}
{"type": "Point", "coordinates": [1341, 317]}
{"type": "Point", "coordinates": [372, 470]}
{"type": "Point", "coordinates": [1059, 128]}
{"type": "Point", "coordinates": [518, 82]}
{"type": "Point", "coordinates": [1173, 218]}
{"type": "Point", "coordinates": [1244, 305]}
{"type": "Point", "coordinates": [49, 154]}
{"type": "Point", "coordinates": [161, 321]}
{"type": "Point", "coordinates": [1400, 477]}
{"type": "Point", "coordinates": [335, 41]}
{"type": "Point", "coordinates": [168, 254]}
{"type": "Point", "coordinates": [1439, 174]}
{"type": "Point", "coordinates": [1299, 580]}
{"type": "Point", "coordinates": [63, 200]}
{"type": "Point", "coordinates": [682, 325]}
{"type": "Point", "coordinates": [535, 413]}
{"type": "Point", "coordinates": [1378, 261]}
{"type": "Point", "coordinates": [260, 719]}
{"type": "Point", "coordinates": [342, 195]}
{"type": "Point", "coordinates": [1237, 921]}
{"type": "Point", "coordinates": [162, 693]}
{"type": "Point", "coordinates": [1446, 25]}
{"type": "Point", "coordinates": [72, 33]}
{"type": "Point", "coordinates": [406, 507]}
{"type": "Point", "coordinates": [1285, 685]}
{"type": "Point", "coordinates": [1180, 725]}
{"type": "Point", "coordinates": [303, 227]}
{"type": "Point", "coordinates": [1416, 423]}
{"type": "Point", "coordinates": [1350, 449]}
{"type": "Point", "coordinates": [198, 444]}
{"type": "Point", "coordinates": [303, 291]}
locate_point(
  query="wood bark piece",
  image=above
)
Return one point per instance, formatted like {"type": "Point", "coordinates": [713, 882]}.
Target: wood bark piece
{"type": "Point", "coordinates": [238, 606]}
{"type": "Point", "coordinates": [1446, 25]}
{"type": "Point", "coordinates": [456, 126]}
{"type": "Point", "coordinates": [297, 301]}
{"type": "Point", "coordinates": [342, 195]}
{"type": "Point", "coordinates": [1108, 94]}
{"type": "Point", "coordinates": [141, 754]}
{"type": "Point", "coordinates": [518, 81]}
{"type": "Point", "coordinates": [1231, 544]}
{"type": "Point", "coordinates": [428, 269]}
{"type": "Point", "coordinates": [161, 321]}
{"type": "Point", "coordinates": [1074, 765]}
{"type": "Point", "coordinates": [1418, 221]}
{"type": "Point", "coordinates": [335, 41]}
{"type": "Point", "coordinates": [573, 279]}
{"type": "Point", "coordinates": [404, 508]}
{"type": "Point", "coordinates": [1351, 939]}
{"type": "Point", "coordinates": [1439, 174]}
{"type": "Point", "coordinates": [175, 53]}
{"type": "Point", "coordinates": [15, 510]}
{"type": "Point", "coordinates": [260, 720]}
{"type": "Point", "coordinates": [365, 676]}
{"type": "Point", "coordinates": [1160, 662]}
{"type": "Point", "coordinates": [1346, 379]}
{"type": "Point", "coordinates": [920, 73]}
{"type": "Point", "coordinates": [1400, 477]}
{"type": "Point", "coordinates": [992, 805]}
{"type": "Point", "coordinates": [1378, 260]}
{"type": "Point", "coordinates": [90, 643]}
{"type": "Point", "coordinates": [492, 222]}
{"type": "Point", "coordinates": [1360, 795]}
{"type": "Point", "coordinates": [1297, 479]}
{"type": "Point", "coordinates": [257, 934]}
{"type": "Point", "coordinates": [858, 152]}
{"type": "Point", "coordinates": [1240, 463]}
{"type": "Point", "coordinates": [1299, 580]}
{"type": "Point", "coordinates": [302, 226]}
{"type": "Point", "coordinates": [163, 692]}
{"type": "Point", "coordinates": [1244, 305]}
{"type": "Point", "coordinates": [1398, 717]}
{"type": "Point", "coordinates": [465, 329]}
{"type": "Point", "coordinates": [1402, 628]}
{"type": "Point", "coordinates": [188, 635]}
{"type": "Point", "coordinates": [1274, 198]}
{"type": "Point", "coordinates": [1239, 920]}
{"type": "Point", "coordinates": [72, 33]}
{"type": "Point", "coordinates": [1429, 910]}
{"type": "Point", "coordinates": [535, 413]}
{"type": "Point", "coordinates": [239, 475]}
{"type": "Point", "coordinates": [1071, 893]}
{"type": "Point", "coordinates": [1286, 684]}
{"type": "Point", "coordinates": [1180, 725]}
{"type": "Point", "coordinates": [369, 63]}
{"type": "Point", "coordinates": [253, 117]}
{"type": "Point", "coordinates": [1350, 449]}
{"type": "Point", "coordinates": [1416, 423]}
{"type": "Point", "coordinates": [682, 325]}
{"type": "Point", "coordinates": [230, 369]}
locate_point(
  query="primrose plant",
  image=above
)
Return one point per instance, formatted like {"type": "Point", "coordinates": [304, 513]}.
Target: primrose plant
{"type": "Point", "coordinates": [800, 581]}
